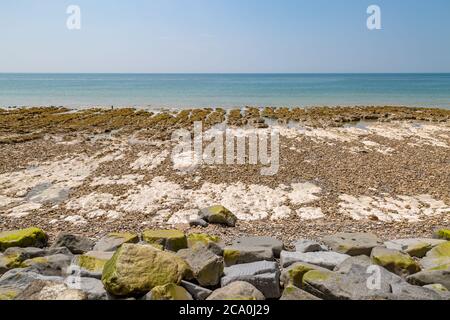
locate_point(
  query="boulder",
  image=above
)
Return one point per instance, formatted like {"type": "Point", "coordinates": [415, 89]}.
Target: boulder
{"type": "Point", "coordinates": [197, 292]}
{"type": "Point", "coordinates": [443, 234]}
{"type": "Point", "coordinates": [218, 215]}
{"type": "Point", "coordinates": [19, 279]}
{"type": "Point", "coordinates": [9, 261]}
{"type": "Point", "coordinates": [440, 290]}
{"type": "Point", "coordinates": [113, 241]}
{"type": "Point", "coordinates": [8, 293]}
{"type": "Point", "coordinates": [169, 291]}
{"type": "Point", "coordinates": [292, 293]}
{"type": "Point", "coordinates": [213, 243]}
{"type": "Point", "coordinates": [265, 242]}
{"type": "Point", "coordinates": [244, 254]}
{"type": "Point", "coordinates": [264, 275]}
{"type": "Point", "coordinates": [47, 290]}
{"type": "Point", "coordinates": [172, 240]}
{"type": "Point", "coordinates": [427, 277]}
{"type": "Point", "coordinates": [437, 258]}
{"type": "Point", "coordinates": [395, 261]}
{"type": "Point", "coordinates": [30, 237]}
{"type": "Point", "coordinates": [238, 290]}
{"type": "Point", "coordinates": [135, 269]}
{"type": "Point", "coordinates": [414, 247]}
{"type": "Point", "coordinates": [305, 245]}
{"type": "Point", "coordinates": [91, 263]}
{"type": "Point", "coordinates": [325, 259]}
{"type": "Point", "coordinates": [362, 261]}
{"type": "Point", "coordinates": [207, 266]}
{"type": "Point", "coordinates": [54, 265]}
{"type": "Point", "coordinates": [76, 244]}
{"type": "Point", "coordinates": [293, 275]}
{"type": "Point", "coordinates": [353, 244]}
{"type": "Point", "coordinates": [405, 291]}
{"type": "Point", "coordinates": [93, 288]}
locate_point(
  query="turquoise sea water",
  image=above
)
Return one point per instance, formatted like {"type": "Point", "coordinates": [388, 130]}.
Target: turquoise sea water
{"type": "Point", "coordinates": [225, 90]}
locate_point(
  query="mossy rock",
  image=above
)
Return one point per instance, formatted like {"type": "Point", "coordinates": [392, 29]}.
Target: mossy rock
{"type": "Point", "coordinates": [218, 215]}
{"type": "Point", "coordinates": [443, 234]}
{"type": "Point", "coordinates": [316, 276]}
{"type": "Point", "coordinates": [170, 291]}
{"type": "Point", "coordinates": [172, 240]}
{"type": "Point", "coordinates": [112, 241]}
{"type": "Point", "coordinates": [30, 237]}
{"type": "Point", "coordinates": [93, 261]}
{"type": "Point", "coordinates": [230, 256]}
{"type": "Point", "coordinates": [35, 261]}
{"type": "Point", "coordinates": [8, 294]}
{"type": "Point", "coordinates": [437, 258]}
{"type": "Point", "coordinates": [8, 262]}
{"type": "Point", "coordinates": [395, 261]}
{"type": "Point", "coordinates": [201, 238]}
{"type": "Point", "coordinates": [293, 275]}
{"type": "Point", "coordinates": [135, 269]}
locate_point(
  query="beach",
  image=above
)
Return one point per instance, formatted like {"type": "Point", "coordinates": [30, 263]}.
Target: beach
{"type": "Point", "coordinates": [383, 170]}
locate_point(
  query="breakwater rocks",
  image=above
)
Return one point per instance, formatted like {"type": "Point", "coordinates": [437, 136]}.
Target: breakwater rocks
{"type": "Point", "coordinates": [172, 265]}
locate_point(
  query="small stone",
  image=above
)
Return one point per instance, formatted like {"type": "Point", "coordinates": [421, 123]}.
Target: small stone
{"type": "Point", "coordinates": [353, 244]}
{"type": "Point", "coordinates": [172, 240]}
{"type": "Point", "coordinates": [242, 254]}
{"type": "Point", "coordinates": [30, 237]}
{"type": "Point", "coordinates": [265, 242]}
{"type": "Point", "coordinates": [169, 291]}
{"type": "Point", "coordinates": [238, 290]}
{"type": "Point", "coordinates": [414, 247]}
{"type": "Point", "coordinates": [395, 261]}
{"type": "Point", "coordinates": [305, 245]}
{"type": "Point", "coordinates": [218, 215]}
{"type": "Point", "coordinates": [325, 259]}
{"type": "Point", "coordinates": [113, 241]}
{"type": "Point", "coordinates": [197, 292]}
{"type": "Point", "coordinates": [292, 293]}
{"type": "Point", "coordinates": [76, 244]}
{"type": "Point", "coordinates": [198, 223]}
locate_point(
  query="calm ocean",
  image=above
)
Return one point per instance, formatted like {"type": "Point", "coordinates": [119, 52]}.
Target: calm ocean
{"type": "Point", "coordinates": [225, 90]}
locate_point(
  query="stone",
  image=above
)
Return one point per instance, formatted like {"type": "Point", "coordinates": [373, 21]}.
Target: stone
{"type": "Point", "coordinates": [395, 261]}
{"type": "Point", "coordinates": [30, 237]}
{"type": "Point", "coordinates": [112, 241]}
{"type": "Point", "coordinates": [325, 259]}
{"type": "Point", "coordinates": [9, 261]}
{"type": "Point", "coordinates": [440, 290]}
{"type": "Point", "coordinates": [76, 244]}
{"type": "Point", "coordinates": [346, 266]}
{"type": "Point", "coordinates": [443, 234]}
{"type": "Point", "coordinates": [218, 215]}
{"type": "Point", "coordinates": [293, 275]}
{"type": "Point", "coordinates": [8, 293]}
{"type": "Point", "coordinates": [405, 291]}
{"type": "Point", "coordinates": [437, 258]}
{"type": "Point", "coordinates": [414, 247]}
{"type": "Point", "coordinates": [305, 245]}
{"type": "Point", "coordinates": [264, 275]}
{"type": "Point", "coordinates": [265, 242]}
{"type": "Point", "coordinates": [292, 293]}
{"type": "Point", "coordinates": [135, 269]}
{"type": "Point", "coordinates": [21, 278]}
{"type": "Point", "coordinates": [172, 240]}
{"type": "Point", "coordinates": [93, 288]}
{"type": "Point", "coordinates": [427, 277]}
{"type": "Point", "coordinates": [353, 244]}
{"type": "Point", "coordinates": [244, 254]}
{"type": "Point", "coordinates": [201, 238]}
{"type": "Point", "coordinates": [197, 292]}
{"type": "Point", "coordinates": [198, 223]}
{"type": "Point", "coordinates": [206, 266]}
{"type": "Point", "coordinates": [169, 291]}
{"type": "Point", "coordinates": [54, 265]}
{"type": "Point", "coordinates": [47, 290]}
{"type": "Point", "coordinates": [238, 290]}
{"type": "Point", "coordinates": [92, 263]}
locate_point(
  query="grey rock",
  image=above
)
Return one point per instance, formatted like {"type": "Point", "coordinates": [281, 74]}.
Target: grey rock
{"type": "Point", "coordinates": [325, 259]}
{"type": "Point", "coordinates": [353, 244]}
{"type": "Point", "coordinates": [218, 215]}
{"type": "Point", "coordinates": [238, 290]}
{"type": "Point", "coordinates": [440, 290]}
{"type": "Point", "coordinates": [54, 265]}
{"type": "Point", "coordinates": [21, 278]}
{"type": "Point", "coordinates": [245, 254]}
{"type": "Point", "coordinates": [76, 244]}
{"type": "Point", "coordinates": [25, 253]}
{"type": "Point", "coordinates": [265, 242]}
{"type": "Point", "coordinates": [405, 291]}
{"type": "Point", "coordinates": [431, 277]}
{"type": "Point", "coordinates": [197, 292]}
{"type": "Point", "coordinates": [293, 275]}
{"type": "Point", "coordinates": [345, 267]}
{"type": "Point", "coordinates": [112, 242]}
{"type": "Point", "coordinates": [198, 223]}
{"type": "Point", "coordinates": [48, 290]}
{"type": "Point", "coordinates": [293, 293]}
{"type": "Point", "coordinates": [264, 275]}
{"type": "Point", "coordinates": [416, 247]}
{"type": "Point", "coordinates": [395, 261]}
{"type": "Point", "coordinates": [93, 288]}
{"type": "Point", "coordinates": [305, 245]}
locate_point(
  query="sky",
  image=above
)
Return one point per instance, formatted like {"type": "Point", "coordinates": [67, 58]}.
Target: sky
{"type": "Point", "coordinates": [225, 36]}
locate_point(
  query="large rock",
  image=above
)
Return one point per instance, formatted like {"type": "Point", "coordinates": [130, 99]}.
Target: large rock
{"type": "Point", "coordinates": [218, 215]}
{"type": "Point", "coordinates": [325, 259]}
{"type": "Point", "coordinates": [93, 288]}
{"type": "Point", "coordinates": [293, 275]}
{"type": "Point", "coordinates": [9, 261]}
{"type": "Point", "coordinates": [207, 266]}
{"type": "Point", "coordinates": [76, 244]}
{"type": "Point", "coordinates": [113, 241]}
{"type": "Point", "coordinates": [91, 263]}
{"type": "Point", "coordinates": [405, 291]}
{"type": "Point", "coordinates": [169, 291]}
{"type": "Point", "coordinates": [47, 290]}
{"type": "Point", "coordinates": [9, 293]}
{"type": "Point", "coordinates": [414, 247]}
{"type": "Point", "coordinates": [213, 243]}
{"type": "Point", "coordinates": [440, 290]}
{"type": "Point", "coordinates": [306, 245]}
{"type": "Point", "coordinates": [292, 293]}
{"type": "Point", "coordinates": [54, 265]}
{"type": "Point", "coordinates": [238, 290]}
{"type": "Point", "coordinates": [21, 278]}
{"type": "Point", "coordinates": [30, 237]}
{"type": "Point", "coordinates": [395, 261]}
{"type": "Point", "coordinates": [346, 266]}
{"type": "Point", "coordinates": [265, 242]}
{"type": "Point", "coordinates": [244, 254]}
{"type": "Point", "coordinates": [172, 240]}
{"type": "Point", "coordinates": [197, 292]}
{"type": "Point", "coordinates": [264, 275]}
{"type": "Point", "coordinates": [135, 269]}
{"type": "Point", "coordinates": [427, 277]}
{"type": "Point", "coordinates": [443, 234]}
{"type": "Point", "coordinates": [437, 258]}
{"type": "Point", "coordinates": [353, 244]}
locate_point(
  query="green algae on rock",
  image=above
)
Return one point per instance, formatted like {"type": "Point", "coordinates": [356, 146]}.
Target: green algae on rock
{"type": "Point", "coordinates": [170, 291]}
{"type": "Point", "coordinates": [443, 234]}
{"type": "Point", "coordinates": [218, 215]}
{"type": "Point", "coordinates": [395, 261]}
{"type": "Point", "coordinates": [172, 240]}
{"type": "Point", "coordinates": [30, 237]}
{"type": "Point", "coordinates": [201, 238]}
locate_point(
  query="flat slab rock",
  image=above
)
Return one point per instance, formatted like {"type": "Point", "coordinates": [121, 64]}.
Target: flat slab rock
{"type": "Point", "coordinates": [416, 247]}
{"type": "Point", "coordinates": [266, 242]}
{"type": "Point", "coordinates": [325, 259]}
{"type": "Point", "coordinates": [305, 245]}
{"type": "Point", "coordinates": [353, 244]}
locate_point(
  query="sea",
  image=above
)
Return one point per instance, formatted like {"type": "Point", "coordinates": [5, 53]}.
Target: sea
{"type": "Point", "coordinates": [155, 91]}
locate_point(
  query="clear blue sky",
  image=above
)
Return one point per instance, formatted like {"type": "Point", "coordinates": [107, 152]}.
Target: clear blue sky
{"type": "Point", "coordinates": [225, 36]}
